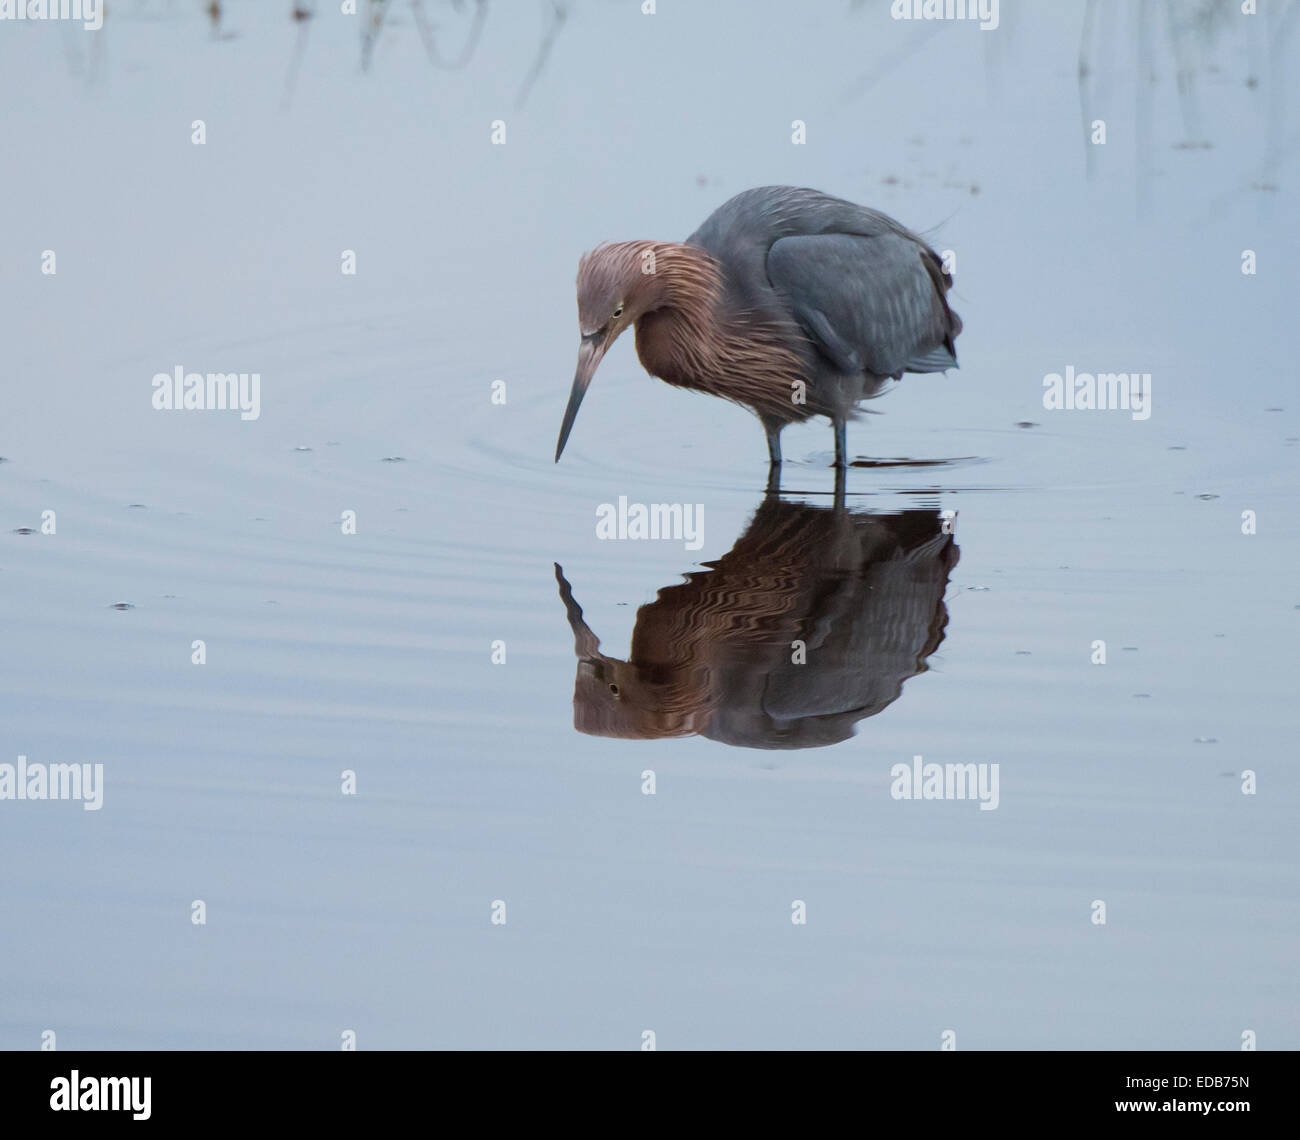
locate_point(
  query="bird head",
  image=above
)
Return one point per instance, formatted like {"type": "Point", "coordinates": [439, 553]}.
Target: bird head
{"type": "Point", "coordinates": [614, 290]}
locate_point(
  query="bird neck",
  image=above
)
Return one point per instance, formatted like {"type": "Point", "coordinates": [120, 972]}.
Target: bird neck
{"type": "Point", "coordinates": [677, 276]}
{"type": "Point", "coordinates": [690, 337]}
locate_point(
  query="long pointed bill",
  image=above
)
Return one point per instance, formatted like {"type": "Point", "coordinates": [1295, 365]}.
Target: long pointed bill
{"type": "Point", "coordinates": [589, 356]}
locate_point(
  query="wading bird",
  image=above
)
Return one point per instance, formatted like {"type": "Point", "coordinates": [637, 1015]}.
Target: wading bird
{"type": "Point", "coordinates": [788, 301]}
{"type": "Point", "coordinates": [810, 623]}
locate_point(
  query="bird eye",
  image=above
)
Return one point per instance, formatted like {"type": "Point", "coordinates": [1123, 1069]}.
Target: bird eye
{"type": "Point", "coordinates": [619, 311]}
{"type": "Point", "coordinates": [613, 689]}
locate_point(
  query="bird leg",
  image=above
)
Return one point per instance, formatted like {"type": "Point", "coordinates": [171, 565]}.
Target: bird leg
{"type": "Point", "coordinates": [773, 482]}
{"type": "Point", "coordinates": [841, 460]}
{"type": "Point", "coordinates": [773, 429]}
{"type": "Point", "coordinates": [839, 488]}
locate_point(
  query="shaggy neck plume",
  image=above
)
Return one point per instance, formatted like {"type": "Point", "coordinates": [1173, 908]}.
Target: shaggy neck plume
{"type": "Point", "coordinates": [667, 274]}
{"type": "Point", "coordinates": [687, 336]}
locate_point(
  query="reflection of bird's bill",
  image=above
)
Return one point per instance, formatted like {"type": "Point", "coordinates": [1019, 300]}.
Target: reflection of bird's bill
{"type": "Point", "coordinates": [590, 353]}
{"type": "Point", "coordinates": [585, 643]}
{"type": "Point", "coordinates": [602, 707]}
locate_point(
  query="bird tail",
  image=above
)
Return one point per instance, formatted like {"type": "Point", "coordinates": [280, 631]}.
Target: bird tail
{"type": "Point", "coordinates": [938, 359]}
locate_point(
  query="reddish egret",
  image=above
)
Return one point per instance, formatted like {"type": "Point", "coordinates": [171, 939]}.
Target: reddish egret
{"type": "Point", "coordinates": [788, 301]}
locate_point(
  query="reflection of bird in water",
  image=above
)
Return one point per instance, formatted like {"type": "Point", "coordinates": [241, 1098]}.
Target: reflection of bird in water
{"type": "Point", "coordinates": [719, 654]}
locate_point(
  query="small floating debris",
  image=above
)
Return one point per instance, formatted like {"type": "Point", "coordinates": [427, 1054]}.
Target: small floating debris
{"type": "Point", "coordinates": [1206, 498]}
{"type": "Point", "coordinates": [1275, 409]}
{"type": "Point", "coordinates": [1128, 648]}
{"type": "Point", "coordinates": [136, 507]}
{"type": "Point", "coordinates": [1204, 740]}
{"type": "Point", "coordinates": [121, 606]}
{"type": "Point", "coordinates": [393, 459]}
{"type": "Point", "coordinates": [1024, 652]}
{"type": "Point", "coordinates": [302, 449]}
{"type": "Point", "coordinates": [23, 530]}
{"type": "Point", "coordinates": [1176, 447]}
{"type": "Point", "coordinates": [169, 597]}
{"type": "Point", "coordinates": [980, 589]}
{"type": "Point", "coordinates": [904, 461]}
{"type": "Point", "coordinates": [1142, 696]}
{"type": "Point", "coordinates": [1025, 424]}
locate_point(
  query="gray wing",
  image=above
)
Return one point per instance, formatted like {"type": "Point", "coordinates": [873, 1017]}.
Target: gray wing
{"type": "Point", "coordinates": [871, 304]}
